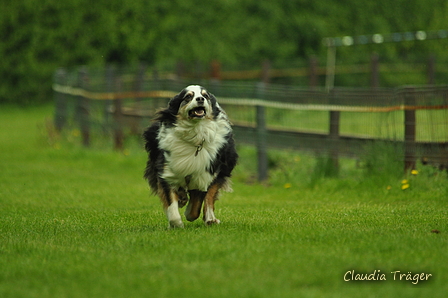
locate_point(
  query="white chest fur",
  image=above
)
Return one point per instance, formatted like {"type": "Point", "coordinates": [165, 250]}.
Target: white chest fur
{"type": "Point", "coordinates": [190, 147]}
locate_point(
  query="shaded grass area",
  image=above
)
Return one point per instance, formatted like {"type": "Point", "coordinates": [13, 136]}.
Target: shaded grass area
{"type": "Point", "coordinates": [80, 222]}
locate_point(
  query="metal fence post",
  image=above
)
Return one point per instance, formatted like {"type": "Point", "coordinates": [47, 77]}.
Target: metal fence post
{"type": "Point", "coordinates": [409, 129]}
{"type": "Point", "coordinates": [334, 134]}
{"type": "Point", "coordinates": [60, 116]}
{"type": "Point", "coordinates": [83, 107]}
{"type": "Point", "coordinates": [261, 144]}
{"type": "Point", "coordinates": [261, 124]}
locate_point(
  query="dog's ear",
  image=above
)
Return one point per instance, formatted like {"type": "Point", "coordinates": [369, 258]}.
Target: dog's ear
{"type": "Point", "coordinates": [215, 107]}
{"type": "Point", "coordinates": [174, 104]}
{"type": "Point", "coordinates": [169, 114]}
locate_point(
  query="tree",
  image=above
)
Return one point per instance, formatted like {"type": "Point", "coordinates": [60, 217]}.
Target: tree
{"type": "Point", "coordinates": [39, 36]}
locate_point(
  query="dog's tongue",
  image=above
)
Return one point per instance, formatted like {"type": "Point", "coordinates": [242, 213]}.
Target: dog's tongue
{"type": "Point", "coordinates": [199, 113]}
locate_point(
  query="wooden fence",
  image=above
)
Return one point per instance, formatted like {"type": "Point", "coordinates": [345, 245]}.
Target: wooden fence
{"type": "Point", "coordinates": [133, 104]}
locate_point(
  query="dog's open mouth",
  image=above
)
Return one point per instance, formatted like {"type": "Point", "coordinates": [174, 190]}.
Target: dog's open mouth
{"type": "Point", "coordinates": [198, 112]}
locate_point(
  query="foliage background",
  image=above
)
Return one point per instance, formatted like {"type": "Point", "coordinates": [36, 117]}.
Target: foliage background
{"type": "Point", "coordinates": [39, 36]}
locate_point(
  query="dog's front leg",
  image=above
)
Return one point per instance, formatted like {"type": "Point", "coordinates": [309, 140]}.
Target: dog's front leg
{"type": "Point", "coordinates": [194, 205]}
{"type": "Point", "coordinates": [170, 201]}
{"type": "Point", "coordinates": [209, 205]}
{"type": "Point", "coordinates": [172, 213]}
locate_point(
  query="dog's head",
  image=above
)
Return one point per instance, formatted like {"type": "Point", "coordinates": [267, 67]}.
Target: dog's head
{"type": "Point", "coordinates": [194, 103]}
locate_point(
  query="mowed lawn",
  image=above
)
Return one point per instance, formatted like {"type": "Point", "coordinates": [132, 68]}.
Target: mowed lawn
{"type": "Point", "coordinates": [80, 222]}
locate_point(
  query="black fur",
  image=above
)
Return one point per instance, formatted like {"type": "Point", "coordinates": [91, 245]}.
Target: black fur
{"type": "Point", "coordinates": [220, 167]}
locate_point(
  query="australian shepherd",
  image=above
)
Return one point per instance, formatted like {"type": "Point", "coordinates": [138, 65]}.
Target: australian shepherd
{"type": "Point", "coordinates": [191, 154]}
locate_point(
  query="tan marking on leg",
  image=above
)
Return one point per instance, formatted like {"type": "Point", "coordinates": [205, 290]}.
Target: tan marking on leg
{"type": "Point", "coordinates": [162, 195]}
{"type": "Point", "coordinates": [194, 205]}
{"type": "Point", "coordinates": [182, 196]}
{"type": "Point", "coordinates": [171, 210]}
{"type": "Point", "coordinates": [209, 205]}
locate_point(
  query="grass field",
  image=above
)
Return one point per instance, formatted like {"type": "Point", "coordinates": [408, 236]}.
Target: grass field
{"type": "Point", "coordinates": [80, 222]}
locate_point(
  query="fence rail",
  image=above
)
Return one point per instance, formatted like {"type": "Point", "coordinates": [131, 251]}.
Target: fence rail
{"type": "Point", "coordinates": [268, 115]}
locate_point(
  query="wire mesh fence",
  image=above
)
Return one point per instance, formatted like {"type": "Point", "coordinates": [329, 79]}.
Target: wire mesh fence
{"type": "Point", "coordinates": [106, 102]}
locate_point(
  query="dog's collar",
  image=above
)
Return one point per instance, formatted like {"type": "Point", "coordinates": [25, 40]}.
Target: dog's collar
{"type": "Point", "coordinates": [199, 147]}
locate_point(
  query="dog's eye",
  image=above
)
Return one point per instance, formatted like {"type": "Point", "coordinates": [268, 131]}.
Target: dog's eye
{"type": "Point", "coordinates": [188, 97]}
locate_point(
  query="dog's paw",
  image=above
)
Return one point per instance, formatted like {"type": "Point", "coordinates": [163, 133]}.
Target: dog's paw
{"type": "Point", "coordinates": [182, 197]}
{"type": "Point", "coordinates": [182, 201]}
{"type": "Point", "coordinates": [211, 222]}
{"type": "Point", "coordinates": [177, 223]}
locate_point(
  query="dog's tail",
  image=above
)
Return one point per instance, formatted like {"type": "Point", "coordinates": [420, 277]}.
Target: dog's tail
{"type": "Point", "coordinates": [152, 147]}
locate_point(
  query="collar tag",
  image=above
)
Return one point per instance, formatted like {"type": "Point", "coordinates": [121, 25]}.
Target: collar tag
{"type": "Point", "coordinates": [199, 147]}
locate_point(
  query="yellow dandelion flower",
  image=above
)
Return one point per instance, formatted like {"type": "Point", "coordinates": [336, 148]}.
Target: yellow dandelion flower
{"type": "Point", "coordinates": [404, 181]}
{"type": "Point", "coordinates": [287, 185]}
{"type": "Point", "coordinates": [405, 186]}
{"type": "Point", "coordinates": [389, 187]}
{"type": "Point", "coordinates": [414, 172]}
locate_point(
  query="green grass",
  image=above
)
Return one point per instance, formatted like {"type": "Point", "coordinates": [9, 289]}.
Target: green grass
{"type": "Point", "coordinates": [80, 222]}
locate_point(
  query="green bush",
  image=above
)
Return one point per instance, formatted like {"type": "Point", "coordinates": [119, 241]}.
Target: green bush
{"type": "Point", "coordinates": [39, 36]}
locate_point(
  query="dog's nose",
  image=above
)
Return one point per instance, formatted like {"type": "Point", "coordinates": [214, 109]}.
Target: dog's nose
{"type": "Point", "coordinates": [200, 100]}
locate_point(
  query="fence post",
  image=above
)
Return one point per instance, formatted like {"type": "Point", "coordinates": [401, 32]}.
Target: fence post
{"type": "Point", "coordinates": [215, 76]}
{"type": "Point", "coordinates": [334, 135]}
{"type": "Point", "coordinates": [266, 72]}
{"type": "Point", "coordinates": [261, 124]}
{"type": "Point", "coordinates": [409, 129]}
{"type": "Point", "coordinates": [140, 80]}
{"type": "Point", "coordinates": [156, 85]}
{"type": "Point", "coordinates": [431, 69]}
{"type": "Point", "coordinates": [118, 116]}
{"type": "Point", "coordinates": [180, 73]}
{"type": "Point", "coordinates": [312, 72]}
{"type": "Point", "coordinates": [375, 72]}
{"type": "Point", "coordinates": [60, 115]}
{"type": "Point", "coordinates": [135, 122]}
{"type": "Point", "coordinates": [110, 74]}
{"type": "Point", "coordinates": [331, 68]}
{"type": "Point", "coordinates": [261, 139]}
{"type": "Point", "coordinates": [215, 67]}
{"type": "Point", "coordinates": [83, 107]}
{"type": "Point", "coordinates": [155, 79]}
